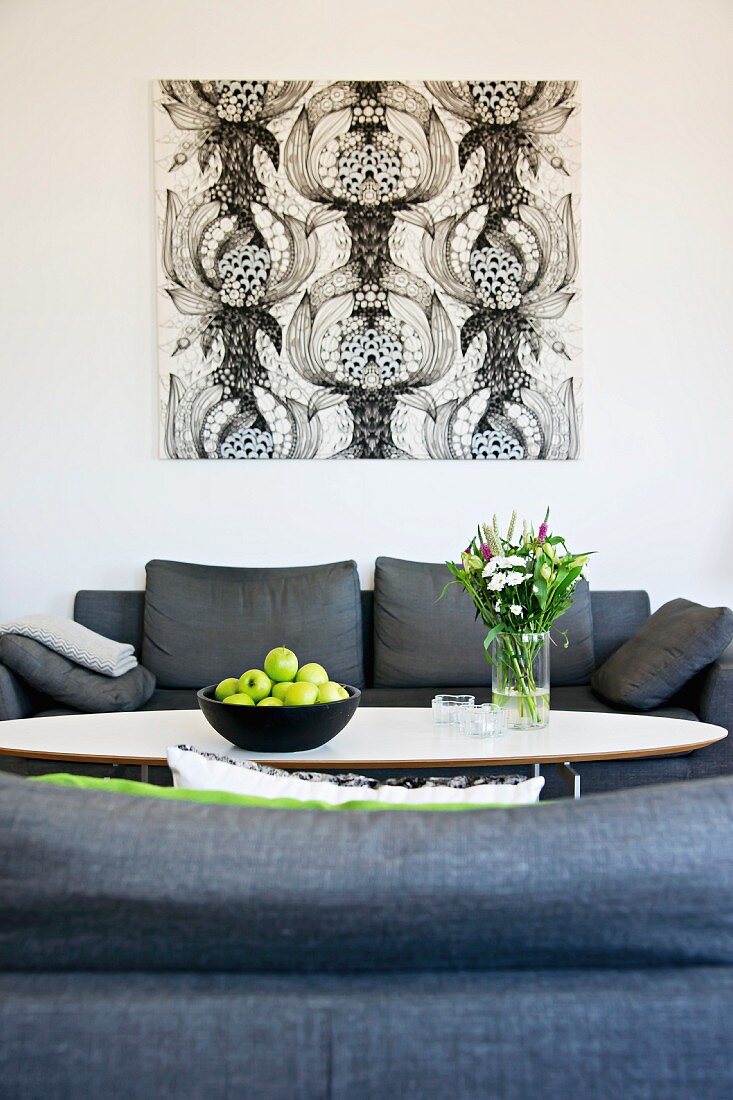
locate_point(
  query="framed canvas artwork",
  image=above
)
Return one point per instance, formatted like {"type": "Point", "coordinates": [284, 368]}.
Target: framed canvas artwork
{"type": "Point", "coordinates": [376, 270]}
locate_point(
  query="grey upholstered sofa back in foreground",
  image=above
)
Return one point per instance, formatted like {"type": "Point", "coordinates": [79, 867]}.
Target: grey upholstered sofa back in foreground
{"type": "Point", "coordinates": [150, 948]}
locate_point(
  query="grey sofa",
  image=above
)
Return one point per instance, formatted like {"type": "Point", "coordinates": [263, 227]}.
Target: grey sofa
{"type": "Point", "coordinates": [409, 646]}
{"type": "Point", "coordinates": [157, 949]}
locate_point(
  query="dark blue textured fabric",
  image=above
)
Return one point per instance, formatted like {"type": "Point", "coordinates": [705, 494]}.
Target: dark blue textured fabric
{"type": "Point", "coordinates": [594, 1035]}
{"type": "Point", "coordinates": [111, 882]}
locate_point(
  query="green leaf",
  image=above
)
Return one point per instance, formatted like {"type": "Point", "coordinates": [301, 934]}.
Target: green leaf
{"type": "Point", "coordinates": [491, 635]}
{"type": "Point", "coordinates": [571, 577]}
{"type": "Point", "coordinates": [447, 586]}
{"type": "Point", "coordinates": [561, 575]}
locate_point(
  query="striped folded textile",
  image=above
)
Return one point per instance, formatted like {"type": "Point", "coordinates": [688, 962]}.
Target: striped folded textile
{"type": "Point", "coordinates": [76, 642]}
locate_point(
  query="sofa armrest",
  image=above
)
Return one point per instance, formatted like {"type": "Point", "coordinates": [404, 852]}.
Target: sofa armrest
{"type": "Point", "coordinates": [716, 694]}
{"type": "Point", "coordinates": [710, 695]}
{"type": "Point", "coordinates": [16, 700]}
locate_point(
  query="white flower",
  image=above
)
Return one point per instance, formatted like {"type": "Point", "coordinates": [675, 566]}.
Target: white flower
{"type": "Point", "coordinates": [497, 605]}
{"type": "Point", "coordinates": [515, 578]}
{"type": "Point", "coordinates": [508, 562]}
{"type": "Point", "coordinates": [489, 568]}
{"type": "Point", "coordinates": [515, 609]}
{"type": "Point", "coordinates": [497, 582]}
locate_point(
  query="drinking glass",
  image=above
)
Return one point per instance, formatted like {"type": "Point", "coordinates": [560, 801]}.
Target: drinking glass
{"type": "Point", "coordinates": [447, 708]}
{"type": "Point", "coordinates": [484, 720]}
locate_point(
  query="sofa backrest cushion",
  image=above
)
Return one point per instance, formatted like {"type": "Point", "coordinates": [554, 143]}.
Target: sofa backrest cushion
{"type": "Point", "coordinates": [119, 615]}
{"type": "Point", "coordinates": [616, 616]}
{"type": "Point", "coordinates": [93, 881]}
{"type": "Point", "coordinates": [203, 623]}
{"type": "Point", "coordinates": [116, 614]}
{"type": "Point", "coordinates": [423, 641]}
{"type": "Point", "coordinates": [572, 658]}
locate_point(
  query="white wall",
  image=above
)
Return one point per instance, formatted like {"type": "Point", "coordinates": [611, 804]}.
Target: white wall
{"type": "Point", "coordinates": [84, 501]}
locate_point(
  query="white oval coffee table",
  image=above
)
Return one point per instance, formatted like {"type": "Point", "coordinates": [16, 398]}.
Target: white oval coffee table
{"type": "Point", "coordinates": [377, 737]}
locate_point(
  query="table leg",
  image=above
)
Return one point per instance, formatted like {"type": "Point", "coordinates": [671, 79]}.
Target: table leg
{"type": "Point", "coordinates": [143, 773]}
{"type": "Point", "coordinates": [571, 777]}
{"type": "Point", "coordinates": [536, 771]}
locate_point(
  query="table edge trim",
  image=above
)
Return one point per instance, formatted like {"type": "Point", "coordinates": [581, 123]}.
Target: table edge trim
{"type": "Point", "coordinates": [310, 763]}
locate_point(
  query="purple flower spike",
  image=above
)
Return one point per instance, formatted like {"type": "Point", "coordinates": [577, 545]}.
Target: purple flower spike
{"type": "Point", "coordinates": [542, 533]}
{"type": "Point", "coordinates": [486, 553]}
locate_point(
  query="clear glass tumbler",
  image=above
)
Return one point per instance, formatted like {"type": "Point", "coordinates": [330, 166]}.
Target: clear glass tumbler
{"type": "Point", "coordinates": [447, 708]}
{"type": "Point", "coordinates": [484, 720]}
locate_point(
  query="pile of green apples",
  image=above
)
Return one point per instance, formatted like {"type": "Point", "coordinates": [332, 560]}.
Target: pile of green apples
{"type": "Point", "coordinates": [281, 683]}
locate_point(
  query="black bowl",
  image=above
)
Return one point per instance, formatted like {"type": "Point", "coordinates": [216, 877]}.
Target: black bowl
{"type": "Point", "coordinates": [278, 729]}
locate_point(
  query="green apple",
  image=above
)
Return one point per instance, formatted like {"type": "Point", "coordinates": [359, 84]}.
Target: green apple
{"type": "Point", "coordinates": [301, 694]}
{"type": "Point", "coordinates": [279, 691]}
{"type": "Point", "coordinates": [343, 693]}
{"type": "Point", "coordinates": [240, 699]}
{"type": "Point", "coordinates": [312, 674]}
{"type": "Point", "coordinates": [254, 683]}
{"type": "Point", "coordinates": [281, 664]}
{"type": "Point", "coordinates": [230, 686]}
{"type": "Point", "coordinates": [329, 692]}
{"type": "Point", "coordinates": [270, 701]}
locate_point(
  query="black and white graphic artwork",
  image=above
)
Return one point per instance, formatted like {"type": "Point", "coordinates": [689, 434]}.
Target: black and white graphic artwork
{"type": "Point", "coordinates": [382, 269]}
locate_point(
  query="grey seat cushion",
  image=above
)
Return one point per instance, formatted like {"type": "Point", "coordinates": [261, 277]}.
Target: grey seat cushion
{"type": "Point", "coordinates": [203, 623]}
{"type": "Point", "coordinates": [580, 697]}
{"type": "Point", "coordinates": [421, 640]}
{"type": "Point", "coordinates": [172, 699]}
{"type": "Point", "coordinates": [68, 683]}
{"type": "Point", "coordinates": [677, 641]}
{"type": "Point", "coordinates": [565, 698]}
{"type": "Point", "coordinates": [100, 881]}
{"type": "Point", "coordinates": [161, 699]}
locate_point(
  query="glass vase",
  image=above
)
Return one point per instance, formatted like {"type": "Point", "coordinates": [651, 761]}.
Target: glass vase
{"type": "Point", "coordinates": [520, 678]}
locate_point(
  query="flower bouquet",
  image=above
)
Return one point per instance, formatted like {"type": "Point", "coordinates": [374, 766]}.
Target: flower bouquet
{"type": "Point", "coordinates": [519, 586]}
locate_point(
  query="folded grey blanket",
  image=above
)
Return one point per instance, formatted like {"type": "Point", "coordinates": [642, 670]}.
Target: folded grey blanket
{"type": "Point", "coordinates": [75, 642]}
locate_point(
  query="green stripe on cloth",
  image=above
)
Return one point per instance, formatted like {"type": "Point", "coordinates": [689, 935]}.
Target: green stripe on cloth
{"type": "Point", "coordinates": [226, 798]}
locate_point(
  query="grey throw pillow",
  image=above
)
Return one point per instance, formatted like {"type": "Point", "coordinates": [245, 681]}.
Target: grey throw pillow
{"type": "Point", "coordinates": [678, 640]}
{"type": "Point", "coordinates": [423, 641]}
{"type": "Point", "coordinates": [205, 622]}
{"type": "Point", "coordinates": [66, 682]}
